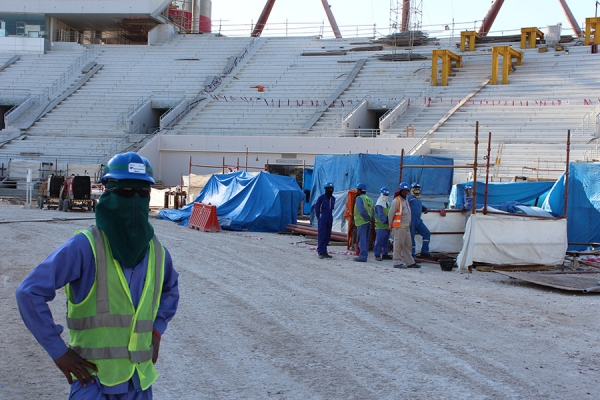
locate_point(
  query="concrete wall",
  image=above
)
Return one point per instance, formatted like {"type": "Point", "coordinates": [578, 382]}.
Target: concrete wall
{"type": "Point", "coordinates": [24, 45]}
{"type": "Point", "coordinates": [84, 6]}
{"type": "Point", "coordinates": [160, 33]}
{"type": "Point", "coordinates": [170, 154]}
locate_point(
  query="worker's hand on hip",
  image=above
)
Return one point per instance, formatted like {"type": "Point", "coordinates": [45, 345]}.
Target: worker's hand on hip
{"type": "Point", "coordinates": [70, 363]}
{"type": "Point", "coordinates": [155, 347]}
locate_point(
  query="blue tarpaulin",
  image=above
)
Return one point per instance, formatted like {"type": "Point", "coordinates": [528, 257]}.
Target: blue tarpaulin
{"type": "Point", "coordinates": [376, 171]}
{"type": "Point", "coordinates": [500, 193]}
{"type": "Point", "coordinates": [583, 207]}
{"type": "Point", "coordinates": [259, 203]}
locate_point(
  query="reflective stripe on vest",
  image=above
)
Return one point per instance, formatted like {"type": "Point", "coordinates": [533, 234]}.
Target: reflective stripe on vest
{"type": "Point", "coordinates": [106, 328]}
{"type": "Point", "coordinates": [397, 221]}
{"type": "Point", "coordinates": [368, 206]}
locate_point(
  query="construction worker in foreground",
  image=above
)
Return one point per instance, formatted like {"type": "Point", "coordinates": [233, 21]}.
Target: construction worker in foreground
{"type": "Point", "coordinates": [324, 213]}
{"type": "Point", "coordinates": [399, 218]}
{"type": "Point", "coordinates": [121, 289]}
{"type": "Point", "coordinates": [416, 224]}
{"type": "Point", "coordinates": [363, 215]}
{"type": "Point", "coordinates": [382, 233]}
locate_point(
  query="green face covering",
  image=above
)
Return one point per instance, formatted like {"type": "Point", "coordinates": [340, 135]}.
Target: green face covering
{"type": "Point", "coordinates": [124, 220]}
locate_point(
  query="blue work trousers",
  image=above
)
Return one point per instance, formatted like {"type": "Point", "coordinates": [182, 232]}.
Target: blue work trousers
{"type": "Point", "coordinates": [419, 227]}
{"type": "Point", "coordinates": [324, 233]}
{"type": "Point", "coordinates": [362, 237]}
{"type": "Point", "coordinates": [382, 242]}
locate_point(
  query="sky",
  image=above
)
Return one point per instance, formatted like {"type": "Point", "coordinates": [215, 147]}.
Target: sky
{"type": "Point", "coordinates": [357, 17]}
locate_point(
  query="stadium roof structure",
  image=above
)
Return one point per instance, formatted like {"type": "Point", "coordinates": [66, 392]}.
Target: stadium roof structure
{"type": "Point", "coordinates": [89, 14]}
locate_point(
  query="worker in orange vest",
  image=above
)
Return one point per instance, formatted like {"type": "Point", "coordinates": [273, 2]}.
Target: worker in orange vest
{"type": "Point", "coordinates": [399, 218]}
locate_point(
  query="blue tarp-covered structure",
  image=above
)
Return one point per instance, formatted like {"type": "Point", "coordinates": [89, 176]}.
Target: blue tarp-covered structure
{"type": "Point", "coordinates": [259, 203]}
{"type": "Point", "coordinates": [502, 193]}
{"type": "Point", "coordinates": [583, 207]}
{"type": "Point", "coordinates": [376, 171]}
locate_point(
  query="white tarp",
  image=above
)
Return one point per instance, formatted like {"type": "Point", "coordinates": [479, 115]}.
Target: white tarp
{"type": "Point", "coordinates": [441, 241]}
{"type": "Point", "coordinates": [17, 169]}
{"type": "Point", "coordinates": [512, 240]}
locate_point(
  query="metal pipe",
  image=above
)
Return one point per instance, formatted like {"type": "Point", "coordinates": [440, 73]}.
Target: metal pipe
{"type": "Point", "coordinates": [401, 165]}
{"type": "Point", "coordinates": [474, 202]}
{"type": "Point", "coordinates": [487, 173]}
{"type": "Point", "coordinates": [331, 18]}
{"type": "Point", "coordinates": [264, 17]}
{"type": "Point", "coordinates": [405, 16]}
{"type": "Point", "coordinates": [567, 173]}
{"type": "Point", "coordinates": [571, 18]}
{"type": "Point", "coordinates": [490, 17]}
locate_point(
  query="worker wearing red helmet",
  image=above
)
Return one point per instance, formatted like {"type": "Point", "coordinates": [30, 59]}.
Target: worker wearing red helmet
{"type": "Point", "coordinates": [121, 287]}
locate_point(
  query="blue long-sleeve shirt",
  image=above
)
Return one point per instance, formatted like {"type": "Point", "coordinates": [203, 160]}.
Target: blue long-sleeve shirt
{"type": "Point", "coordinates": [324, 206]}
{"type": "Point", "coordinates": [74, 263]}
{"type": "Point", "coordinates": [416, 207]}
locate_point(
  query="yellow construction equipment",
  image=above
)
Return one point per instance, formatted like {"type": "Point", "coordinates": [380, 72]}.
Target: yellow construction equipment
{"type": "Point", "coordinates": [447, 58]}
{"type": "Point", "coordinates": [592, 28]}
{"type": "Point", "coordinates": [468, 36]}
{"type": "Point", "coordinates": [531, 35]}
{"type": "Point", "coordinates": [507, 53]}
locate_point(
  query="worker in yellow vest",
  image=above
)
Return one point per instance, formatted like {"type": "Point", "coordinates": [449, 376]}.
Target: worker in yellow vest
{"type": "Point", "coordinates": [121, 289]}
{"type": "Point", "coordinates": [399, 218]}
{"type": "Point", "coordinates": [364, 214]}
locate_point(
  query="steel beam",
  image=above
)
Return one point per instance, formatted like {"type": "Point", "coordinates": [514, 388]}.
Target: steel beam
{"type": "Point", "coordinates": [571, 18]}
{"type": "Point", "coordinates": [330, 17]}
{"type": "Point", "coordinates": [264, 17]}
{"type": "Point", "coordinates": [405, 16]}
{"type": "Point", "coordinates": [490, 17]}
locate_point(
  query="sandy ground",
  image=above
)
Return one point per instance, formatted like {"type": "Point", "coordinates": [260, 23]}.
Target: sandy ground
{"type": "Point", "coordinates": [262, 317]}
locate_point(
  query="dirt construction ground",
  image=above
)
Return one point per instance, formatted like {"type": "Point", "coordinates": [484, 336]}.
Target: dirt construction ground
{"type": "Point", "coordinates": [262, 317]}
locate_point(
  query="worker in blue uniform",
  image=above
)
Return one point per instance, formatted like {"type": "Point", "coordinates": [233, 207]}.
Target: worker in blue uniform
{"type": "Point", "coordinates": [121, 287]}
{"type": "Point", "coordinates": [363, 217]}
{"type": "Point", "coordinates": [324, 213]}
{"type": "Point", "coordinates": [467, 200]}
{"type": "Point", "coordinates": [382, 233]}
{"type": "Point", "coordinates": [416, 224]}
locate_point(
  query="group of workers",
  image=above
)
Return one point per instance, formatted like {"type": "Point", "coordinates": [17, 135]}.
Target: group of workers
{"type": "Point", "coordinates": [399, 218]}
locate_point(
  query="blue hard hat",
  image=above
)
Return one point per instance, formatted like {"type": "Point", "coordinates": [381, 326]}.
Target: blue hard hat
{"type": "Point", "coordinates": [403, 186]}
{"type": "Point", "coordinates": [329, 185]}
{"type": "Point", "coordinates": [128, 166]}
{"type": "Point", "coordinates": [362, 186]}
{"type": "Point", "coordinates": [415, 185]}
{"type": "Point", "coordinates": [468, 187]}
{"type": "Point", "coordinates": [385, 191]}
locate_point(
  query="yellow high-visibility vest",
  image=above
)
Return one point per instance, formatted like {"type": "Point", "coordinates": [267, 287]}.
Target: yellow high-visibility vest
{"type": "Point", "coordinates": [105, 328]}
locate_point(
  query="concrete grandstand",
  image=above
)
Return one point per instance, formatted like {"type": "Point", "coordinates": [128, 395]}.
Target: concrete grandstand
{"type": "Point", "coordinates": [117, 79]}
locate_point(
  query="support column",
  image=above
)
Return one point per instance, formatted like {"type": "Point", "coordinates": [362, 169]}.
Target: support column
{"type": "Point", "coordinates": [447, 58]}
{"type": "Point", "coordinates": [531, 35]}
{"type": "Point", "coordinates": [508, 54]}
{"type": "Point", "coordinates": [470, 37]}
{"type": "Point", "coordinates": [592, 30]}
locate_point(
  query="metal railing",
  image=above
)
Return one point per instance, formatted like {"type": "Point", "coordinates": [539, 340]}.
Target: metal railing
{"type": "Point", "coordinates": [388, 119]}
{"type": "Point", "coordinates": [590, 119]}
{"type": "Point", "coordinates": [40, 101]}
{"type": "Point", "coordinates": [217, 82]}
{"type": "Point", "coordinates": [592, 153]}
